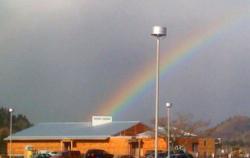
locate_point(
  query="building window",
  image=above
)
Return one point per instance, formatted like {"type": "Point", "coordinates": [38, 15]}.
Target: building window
{"type": "Point", "coordinates": [205, 143]}
{"type": "Point", "coordinates": [74, 144]}
{"type": "Point", "coordinates": [194, 147]}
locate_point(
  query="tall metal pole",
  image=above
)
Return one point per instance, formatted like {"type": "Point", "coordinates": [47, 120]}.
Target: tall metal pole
{"type": "Point", "coordinates": [11, 111]}
{"type": "Point", "coordinates": [158, 32]}
{"type": "Point", "coordinates": [169, 148]}
{"type": "Point", "coordinates": [168, 105]}
{"type": "Point", "coordinates": [168, 113]}
{"type": "Point", "coordinates": [157, 95]}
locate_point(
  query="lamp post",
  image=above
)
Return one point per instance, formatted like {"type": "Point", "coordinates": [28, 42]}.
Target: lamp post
{"type": "Point", "coordinates": [10, 111]}
{"type": "Point", "coordinates": [168, 105]}
{"type": "Point", "coordinates": [157, 32]}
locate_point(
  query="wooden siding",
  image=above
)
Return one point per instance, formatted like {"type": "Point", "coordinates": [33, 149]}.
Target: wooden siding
{"type": "Point", "coordinates": [148, 144]}
{"type": "Point", "coordinates": [116, 146]}
{"type": "Point", "coordinates": [206, 147]}
{"type": "Point", "coordinates": [187, 143]}
{"type": "Point", "coordinates": [18, 147]}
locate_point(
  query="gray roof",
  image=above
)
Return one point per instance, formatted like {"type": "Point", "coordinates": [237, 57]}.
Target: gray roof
{"type": "Point", "coordinates": [72, 130]}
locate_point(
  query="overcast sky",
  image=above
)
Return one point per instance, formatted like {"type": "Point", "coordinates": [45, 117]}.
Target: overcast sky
{"type": "Point", "coordinates": [61, 59]}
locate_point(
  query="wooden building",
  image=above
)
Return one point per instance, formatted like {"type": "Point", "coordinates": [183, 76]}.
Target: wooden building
{"type": "Point", "coordinates": [118, 138]}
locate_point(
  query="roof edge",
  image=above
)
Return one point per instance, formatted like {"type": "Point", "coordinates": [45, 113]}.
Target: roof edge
{"type": "Point", "coordinates": [57, 137]}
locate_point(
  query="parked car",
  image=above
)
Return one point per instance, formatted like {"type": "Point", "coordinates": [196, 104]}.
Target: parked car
{"type": "Point", "coordinates": [53, 153]}
{"type": "Point", "coordinates": [42, 155]}
{"type": "Point", "coordinates": [98, 153]}
{"type": "Point", "coordinates": [179, 154]}
{"type": "Point", "coordinates": [126, 156]}
{"type": "Point", "coordinates": [160, 155]}
{"type": "Point", "coordinates": [151, 153]}
{"type": "Point", "coordinates": [67, 154]}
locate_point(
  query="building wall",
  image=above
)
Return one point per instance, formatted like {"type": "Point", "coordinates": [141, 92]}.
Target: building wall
{"type": "Point", "coordinates": [18, 147]}
{"type": "Point", "coordinates": [206, 147]}
{"type": "Point", "coordinates": [187, 142]}
{"type": "Point", "coordinates": [116, 146]}
{"type": "Point", "coordinates": [148, 144]}
{"type": "Point", "coordinates": [121, 145]}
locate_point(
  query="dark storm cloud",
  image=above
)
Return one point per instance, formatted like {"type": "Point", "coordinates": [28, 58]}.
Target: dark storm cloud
{"type": "Point", "coordinates": [60, 59]}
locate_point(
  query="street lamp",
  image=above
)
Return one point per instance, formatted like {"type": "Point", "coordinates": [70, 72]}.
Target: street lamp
{"type": "Point", "coordinates": [11, 111]}
{"type": "Point", "coordinates": [157, 32]}
{"type": "Point", "coordinates": [168, 105]}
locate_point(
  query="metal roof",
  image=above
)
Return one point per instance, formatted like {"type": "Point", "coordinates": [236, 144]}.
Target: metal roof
{"type": "Point", "coordinates": [72, 130]}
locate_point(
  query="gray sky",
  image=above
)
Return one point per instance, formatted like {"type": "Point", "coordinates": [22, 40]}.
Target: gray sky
{"type": "Point", "coordinates": [61, 59]}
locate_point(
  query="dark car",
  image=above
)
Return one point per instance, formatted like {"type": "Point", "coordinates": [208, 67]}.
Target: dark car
{"type": "Point", "coordinates": [67, 154]}
{"type": "Point", "coordinates": [178, 154]}
{"type": "Point", "coordinates": [151, 154]}
{"type": "Point", "coordinates": [98, 153]}
{"type": "Point", "coordinates": [181, 154]}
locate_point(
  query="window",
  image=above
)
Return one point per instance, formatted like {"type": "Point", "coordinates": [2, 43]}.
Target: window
{"type": "Point", "coordinates": [74, 144]}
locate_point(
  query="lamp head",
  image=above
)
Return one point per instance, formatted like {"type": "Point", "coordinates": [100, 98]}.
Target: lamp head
{"type": "Point", "coordinates": [159, 31]}
{"type": "Point", "coordinates": [11, 109]}
{"type": "Point", "coordinates": [169, 105]}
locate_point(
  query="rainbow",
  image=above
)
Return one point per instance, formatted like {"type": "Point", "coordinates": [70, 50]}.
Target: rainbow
{"type": "Point", "coordinates": [127, 93]}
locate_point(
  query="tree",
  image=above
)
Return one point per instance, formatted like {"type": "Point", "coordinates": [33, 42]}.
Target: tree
{"type": "Point", "coordinates": [20, 122]}
{"type": "Point", "coordinates": [185, 122]}
{"type": "Point", "coordinates": [182, 125]}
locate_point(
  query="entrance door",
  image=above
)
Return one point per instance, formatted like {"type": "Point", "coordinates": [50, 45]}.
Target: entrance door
{"type": "Point", "coordinates": [67, 146]}
{"type": "Point", "coordinates": [134, 149]}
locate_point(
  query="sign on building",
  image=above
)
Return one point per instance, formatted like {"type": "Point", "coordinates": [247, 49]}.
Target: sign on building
{"type": "Point", "coordinates": [100, 120]}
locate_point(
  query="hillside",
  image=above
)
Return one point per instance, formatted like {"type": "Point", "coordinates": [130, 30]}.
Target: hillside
{"type": "Point", "coordinates": [234, 129]}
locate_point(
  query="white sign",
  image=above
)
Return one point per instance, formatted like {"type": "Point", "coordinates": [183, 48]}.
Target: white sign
{"type": "Point", "coordinates": [100, 120]}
